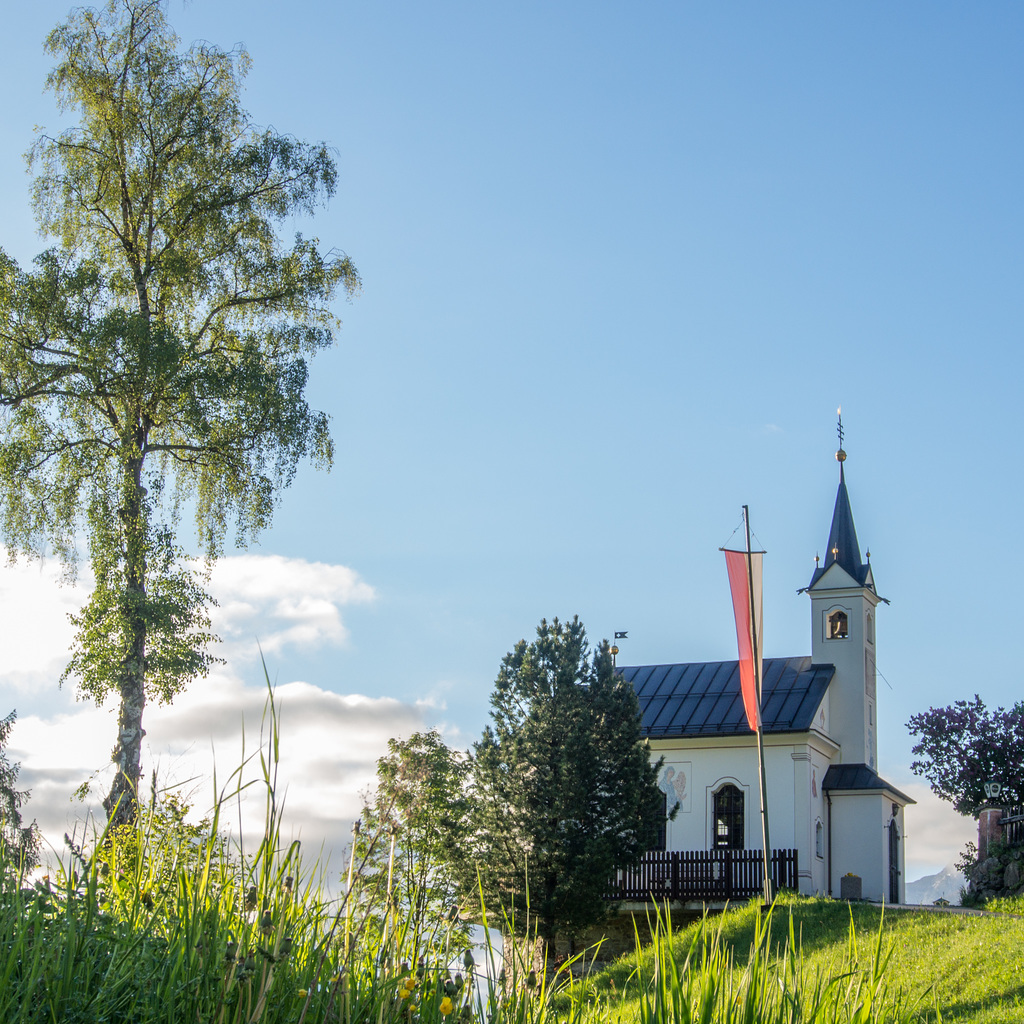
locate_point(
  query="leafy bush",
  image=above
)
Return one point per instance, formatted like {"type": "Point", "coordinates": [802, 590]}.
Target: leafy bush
{"type": "Point", "coordinates": [1006, 905]}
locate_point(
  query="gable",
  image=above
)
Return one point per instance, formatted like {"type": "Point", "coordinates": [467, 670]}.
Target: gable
{"type": "Point", "coordinates": [835, 577]}
{"type": "Point", "coordinates": [703, 698]}
{"type": "Point", "coordinates": [839, 578]}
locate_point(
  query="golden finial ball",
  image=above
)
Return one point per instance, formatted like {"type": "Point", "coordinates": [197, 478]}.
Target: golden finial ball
{"type": "Point", "coordinates": [840, 455]}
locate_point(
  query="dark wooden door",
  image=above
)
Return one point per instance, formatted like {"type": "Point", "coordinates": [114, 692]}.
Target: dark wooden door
{"type": "Point", "coordinates": [894, 862]}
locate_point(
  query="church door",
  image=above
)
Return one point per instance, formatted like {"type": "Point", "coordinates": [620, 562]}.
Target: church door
{"type": "Point", "coordinates": [894, 862]}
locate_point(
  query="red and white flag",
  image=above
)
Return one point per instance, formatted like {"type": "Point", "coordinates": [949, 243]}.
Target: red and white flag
{"type": "Point", "coordinates": [741, 584]}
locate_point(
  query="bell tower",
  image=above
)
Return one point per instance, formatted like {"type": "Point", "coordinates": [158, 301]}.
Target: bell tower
{"type": "Point", "coordinates": [843, 603]}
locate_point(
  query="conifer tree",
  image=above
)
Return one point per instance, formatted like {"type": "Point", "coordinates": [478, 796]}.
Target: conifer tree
{"type": "Point", "coordinates": [19, 843]}
{"type": "Point", "coordinates": [563, 786]}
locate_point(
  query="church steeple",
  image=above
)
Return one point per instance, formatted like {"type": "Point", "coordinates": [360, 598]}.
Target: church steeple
{"type": "Point", "coordinates": [843, 603]}
{"type": "Point", "coordinates": [843, 548]}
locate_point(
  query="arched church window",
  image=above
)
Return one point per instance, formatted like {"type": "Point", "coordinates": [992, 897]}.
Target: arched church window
{"type": "Point", "coordinates": [869, 628]}
{"type": "Point", "coordinates": [819, 839]}
{"type": "Point", "coordinates": [838, 626]}
{"type": "Point", "coordinates": [729, 818]}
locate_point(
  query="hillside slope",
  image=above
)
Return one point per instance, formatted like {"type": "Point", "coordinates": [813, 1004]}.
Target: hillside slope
{"type": "Point", "coordinates": [969, 966]}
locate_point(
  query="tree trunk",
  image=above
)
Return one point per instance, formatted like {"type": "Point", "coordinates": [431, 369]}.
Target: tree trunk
{"type": "Point", "coordinates": [549, 921]}
{"type": "Point", "coordinates": [122, 802]}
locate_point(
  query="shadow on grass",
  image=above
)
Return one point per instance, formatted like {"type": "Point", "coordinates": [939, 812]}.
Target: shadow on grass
{"type": "Point", "coordinates": [969, 1010]}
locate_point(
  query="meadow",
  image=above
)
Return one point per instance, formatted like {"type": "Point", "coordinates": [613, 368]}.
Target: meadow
{"type": "Point", "coordinates": [172, 921]}
{"type": "Point", "coordinates": [815, 959]}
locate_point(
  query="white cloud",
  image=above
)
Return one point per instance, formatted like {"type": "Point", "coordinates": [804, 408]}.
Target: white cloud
{"type": "Point", "coordinates": [34, 609]}
{"type": "Point", "coordinates": [935, 834]}
{"type": "Point", "coordinates": [279, 602]}
{"type": "Point", "coordinates": [282, 601]}
{"type": "Point", "coordinates": [329, 746]}
{"type": "Point", "coordinates": [330, 742]}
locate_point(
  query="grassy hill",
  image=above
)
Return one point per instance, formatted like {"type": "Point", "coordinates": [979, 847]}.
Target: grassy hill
{"type": "Point", "coordinates": [900, 965]}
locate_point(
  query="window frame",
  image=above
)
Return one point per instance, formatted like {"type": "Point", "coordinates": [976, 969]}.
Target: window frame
{"type": "Point", "coordinates": [728, 821]}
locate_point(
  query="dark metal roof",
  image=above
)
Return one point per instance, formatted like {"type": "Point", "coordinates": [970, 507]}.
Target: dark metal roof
{"type": "Point", "coordinates": [842, 539]}
{"type": "Point", "coordinates": [858, 776]}
{"type": "Point", "coordinates": [703, 698]}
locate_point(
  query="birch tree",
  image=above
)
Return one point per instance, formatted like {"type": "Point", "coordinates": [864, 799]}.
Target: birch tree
{"type": "Point", "coordinates": [155, 357]}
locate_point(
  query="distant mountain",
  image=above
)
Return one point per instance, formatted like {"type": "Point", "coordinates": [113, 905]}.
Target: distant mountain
{"type": "Point", "coordinates": [945, 885]}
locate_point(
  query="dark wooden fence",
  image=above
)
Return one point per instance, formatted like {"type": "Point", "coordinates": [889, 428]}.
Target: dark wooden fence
{"type": "Point", "coordinates": [713, 875]}
{"type": "Point", "coordinates": [1012, 823]}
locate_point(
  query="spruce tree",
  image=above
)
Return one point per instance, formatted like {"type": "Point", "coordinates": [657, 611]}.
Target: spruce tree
{"type": "Point", "coordinates": [564, 788]}
{"type": "Point", "coordinates": [19, 843]}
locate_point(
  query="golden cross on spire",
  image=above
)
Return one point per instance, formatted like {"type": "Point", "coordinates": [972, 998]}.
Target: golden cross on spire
{"type": "Point", "coordinates": [840, 455]}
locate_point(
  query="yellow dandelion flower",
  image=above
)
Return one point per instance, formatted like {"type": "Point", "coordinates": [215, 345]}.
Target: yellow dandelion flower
{"type": "Point", "coordinates": [446, 1005]}
{"type": "Point", "coordinates": [303, 992]}
{"type": "Point", "coordinates": [404, 993]}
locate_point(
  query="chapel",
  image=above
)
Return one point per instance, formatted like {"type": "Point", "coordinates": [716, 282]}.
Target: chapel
{"type": "Point", "coordinates": [826, 799]}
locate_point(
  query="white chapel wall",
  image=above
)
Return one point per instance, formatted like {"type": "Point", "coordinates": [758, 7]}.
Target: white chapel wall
{"type": "Point", "coordinates": [859, 822]}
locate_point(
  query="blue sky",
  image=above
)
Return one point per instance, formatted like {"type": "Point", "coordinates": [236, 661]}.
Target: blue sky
{"type": "Point", "coordinates": [621, 264]}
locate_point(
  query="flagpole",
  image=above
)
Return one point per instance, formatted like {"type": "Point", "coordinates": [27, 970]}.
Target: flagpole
{"type": "Point", "coordinates": [766, 847]}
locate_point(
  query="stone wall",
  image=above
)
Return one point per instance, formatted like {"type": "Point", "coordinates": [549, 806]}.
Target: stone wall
{"type": "Point", "coordinates": [999, 873]}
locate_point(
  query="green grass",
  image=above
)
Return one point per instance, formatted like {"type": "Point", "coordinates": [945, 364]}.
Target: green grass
{"type": "Point", "coordinates": [170, 923]}
{"type": "Point", "coordinates": [167, 923]}
{"type": "Point", "coordinates": [969, 968]}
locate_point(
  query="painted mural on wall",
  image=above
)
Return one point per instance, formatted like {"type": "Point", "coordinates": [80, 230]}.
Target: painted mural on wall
{"type": "Point", "coordinates": [674, 781]}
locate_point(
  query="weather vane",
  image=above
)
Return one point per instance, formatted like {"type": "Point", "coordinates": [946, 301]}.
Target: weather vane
{"type": "Point", "coordinates": [840, 455]}
{"type": "Point", "coordinates": [620, 634]}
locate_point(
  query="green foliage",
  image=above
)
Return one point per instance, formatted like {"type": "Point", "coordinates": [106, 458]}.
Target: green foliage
{"type": "Point", "coordinates": [1006, 905]}
{"type": "Point", "coordinates": [411, 832]}
{"type": "Point", "coordinates": [564, 789]}
{"type": "Point", "coordinates": [177, 627]}
{"type": "Point", "coordinates": [19, 843]}
{"type": "Point", "coordinates": [157, 354]}
{"type": "Point", "coordinates": [964, 745]}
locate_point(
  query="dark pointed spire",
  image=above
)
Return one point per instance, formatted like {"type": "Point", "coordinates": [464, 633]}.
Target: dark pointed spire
{"type": "Point", "coordinates": [842, 536]}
